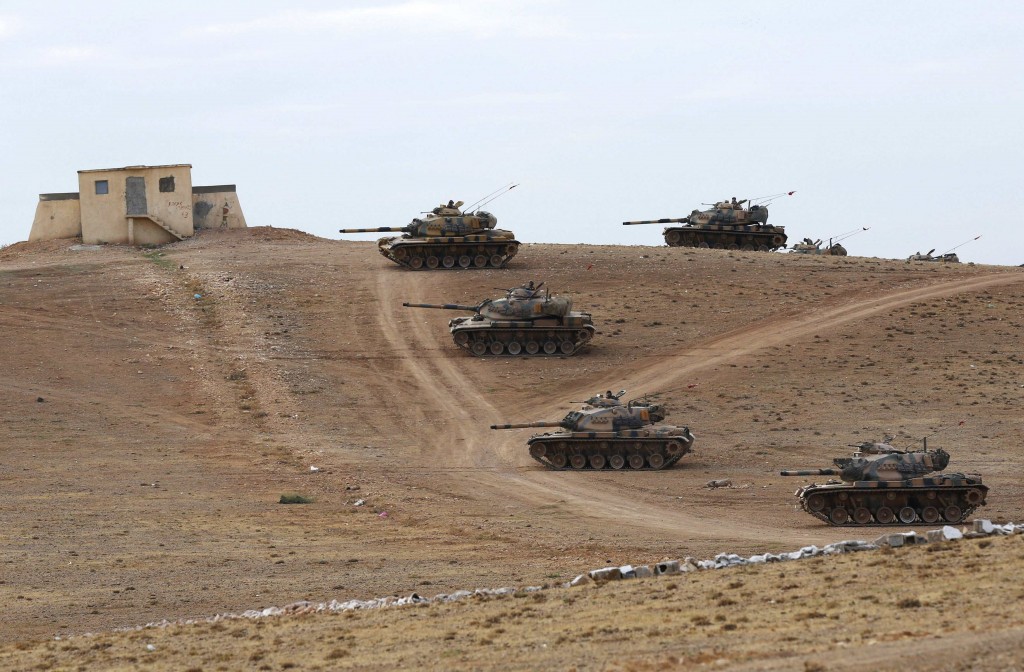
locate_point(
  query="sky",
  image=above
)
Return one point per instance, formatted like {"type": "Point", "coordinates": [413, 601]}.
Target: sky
{"type": "Point", "coordinates": [903, 117]}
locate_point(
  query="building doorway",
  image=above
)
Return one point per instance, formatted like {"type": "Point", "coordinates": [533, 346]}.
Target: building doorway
{"type": "Point", "coordinates": [135, 196]}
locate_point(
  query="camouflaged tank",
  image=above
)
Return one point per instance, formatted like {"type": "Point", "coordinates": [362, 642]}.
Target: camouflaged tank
{"type": "Point", "coordinates": [527, 322]}
{"type": "Point", "coordinates": [833, 249]}
{"type": "Point", "coordinates": [448, 238]}
{"type": "Point", "coordinates": [948, 257]}
{"type": "Point", "coordinates": [808, 246]}
{"type": "Point", "coordinates": [885, 486]}
{"type": "Point", "coordinates": [607, 434]}
{"type": "Point", "coordinates": [727, 226]}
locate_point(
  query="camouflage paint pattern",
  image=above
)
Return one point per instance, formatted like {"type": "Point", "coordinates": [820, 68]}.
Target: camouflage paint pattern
{"type": "Point", "coordinates": [727, 225]}
{"type": "Point", "coordinates": [949, 257]}
{"type": "Point", "coordinates": [447, 238]}
{"type": "Point", "coordinates": [808, 246]}
{"type": "Point", "coordinates": [527, 322]}
{"type": "Point", "coordinates": [607, 434]}
{"type": "Point", "coordinates": [889, 487]}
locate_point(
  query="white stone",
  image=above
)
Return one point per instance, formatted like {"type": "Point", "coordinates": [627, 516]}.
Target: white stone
{"type": "Point", "coordinates": [667, 567]}
{"type": "Point", "coordinates": [606, 574]}
{"type": "Point", "coordinates": [949, 533]}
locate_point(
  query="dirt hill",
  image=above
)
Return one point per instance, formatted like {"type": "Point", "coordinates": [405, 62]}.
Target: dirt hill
{"type": "Point", "coordinates": [157, 404]}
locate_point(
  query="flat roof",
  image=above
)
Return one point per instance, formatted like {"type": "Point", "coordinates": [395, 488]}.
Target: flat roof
{"type": "Point", "coordinates": [107, 170]}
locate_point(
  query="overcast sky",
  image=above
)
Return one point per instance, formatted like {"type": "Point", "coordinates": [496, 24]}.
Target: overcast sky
{"type": "Point", "coordinates": [901, 116]}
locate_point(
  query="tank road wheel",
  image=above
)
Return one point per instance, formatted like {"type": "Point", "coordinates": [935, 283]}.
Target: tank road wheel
{"type": "Point", "coordinates": [465, 261]}
{"type": "Point", "coordinates": [514, 348]}
{"type": "Point", "coordinates": [862, 516]}
{"type": "Point", "coordinates": [532, 347]}
{"type": "Point", "coordinates": [719, 246]}
{"type": "Point", "coordinates": [838, 516]}
{"type": "Point", "coordinates": [673, 448]}
{"type": "Point", "coordinates": [558, 460]}
{"type": "Point", "coordinates": [479, 348]}
{"type": "Point", "coordinates": [597, 461]}
{"type": "Point", "coordinates": [953, 514]}
{"type": "Point", "coordinates": [636, 461]}
{"type": "Point", "coordinates": [703, 244]}
{"type": "Point", "coordinates": [497, 260]}
{"type": "Point", "coordinates": [537, 451]}
{"type": "Point", "coordinates": [448, 261]}
{"type": "Point", "coordinates": [496, 347]}
{"type": "Point", "coordinates": [584, 335]}
{"type": "Point", "coordinates": [778, 241]}
{"type": "Point", "coordinates": [480, 260]}
{"type": "Point", "coordinates": [908, 515]}
{"type": "Point", "coordinates": [433, 262]}
{"type": "Point", "coordinates": [673, 238]}
{"type": "Point", "coordinates": [974, 497]}
{"type": "Point", "coordinates": [816, 502]}
{"type": "Point", "coordinates": [762, 248]}
{"type": "Point", "coordinates": [578, 461]}
{"type": "Point", "coordinates": [732, 246]}
{"type": "Point", "coordinates": [550, 347]}
{"type": "Point", "coordinates": [616, 462]}
{"type": "Point", "coordinates": [748, 247]}
{"type": "Point", "coordinates": [885, 516]}
{"type": "Point", "coordinates": [461, 339]}
{"type": "Point", "coordinates": [656, 460]}
{"type": "Point", "coordinates": [566, 347]}
{"type": "Point", "coordinates": [929, 515]}
{"type": "Point", "coordinates": [415, 263]}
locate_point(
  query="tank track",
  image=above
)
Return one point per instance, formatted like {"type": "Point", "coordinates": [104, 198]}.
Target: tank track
{"type": "Point", "coordinates": [633, 454]}
{"type": "Point", "coordinates": [877, 507]}
{"type": "Point", "coordinates": [523, 342]}
{"type": "Point", "coordinates": [746, 238]}
{"type": "Point", "coordinates": [423, 255]}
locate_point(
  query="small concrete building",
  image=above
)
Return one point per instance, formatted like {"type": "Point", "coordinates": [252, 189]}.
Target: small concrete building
{"type": "Point", "coordinates": [136, 205]}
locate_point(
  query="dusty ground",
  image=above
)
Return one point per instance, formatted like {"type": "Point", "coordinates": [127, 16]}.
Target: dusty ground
{"type": "Point", "coordinates": [148, 435]}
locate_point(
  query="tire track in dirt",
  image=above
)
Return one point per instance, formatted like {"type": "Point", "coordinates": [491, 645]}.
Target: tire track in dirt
{"type": "Point", "coordinates": [440, 378]}
{"type": "Point", "coordinates": [664, 374]}
{"type": "Point", "coordinates": [604, 503]}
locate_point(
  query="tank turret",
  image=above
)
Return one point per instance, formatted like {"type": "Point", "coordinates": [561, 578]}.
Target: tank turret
{"type": "Point", "coordinates": [882, 485]}
{"type": "Point", "coordinates": [447, 237]}
{"type": "Point", "coordinates": [890, 465]}
{"type": "Point", "coordinates": [528, 321]}
{"type": "Point", "coordinates": [606, 433]}
{"type": "Point", "coordinates": [726, 225]}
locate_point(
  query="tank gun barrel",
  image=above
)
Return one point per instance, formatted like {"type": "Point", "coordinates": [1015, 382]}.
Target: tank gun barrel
{"type": "Point", "coordinates": [809, 472]}
{"type": "Point", "coordinates": [379, 229]}
{"type": "Point", "coordinates": [677, 220]}
{"type": "Point", "coordinates": [442, 306]}
{"type": "Point", "coordinates": [526, 425]}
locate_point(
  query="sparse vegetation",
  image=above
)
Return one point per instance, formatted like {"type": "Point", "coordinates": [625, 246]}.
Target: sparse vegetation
{"type": "Point", "coordinates": [294, 498]}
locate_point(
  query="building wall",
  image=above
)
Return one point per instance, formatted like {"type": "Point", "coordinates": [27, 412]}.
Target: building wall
{"type": "Point", "coordinates": [105, 216]}
{"type": "Point", "coordinates": [216, 207]}
{"type": "Point", "coordinates": [57, 216]}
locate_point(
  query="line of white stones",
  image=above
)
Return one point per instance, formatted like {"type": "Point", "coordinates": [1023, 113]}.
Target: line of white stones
{"type": "Point", "coordinates": [981, 528]}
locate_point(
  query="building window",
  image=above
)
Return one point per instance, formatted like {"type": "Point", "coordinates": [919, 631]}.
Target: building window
{"type": "Point", "coordinates": [167, 183]}
{"type": "Point", "coordinates": [102, 187]}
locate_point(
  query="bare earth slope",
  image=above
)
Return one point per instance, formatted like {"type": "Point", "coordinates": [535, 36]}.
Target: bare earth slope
{"type": "Point", "coordinates": [158, 404]}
